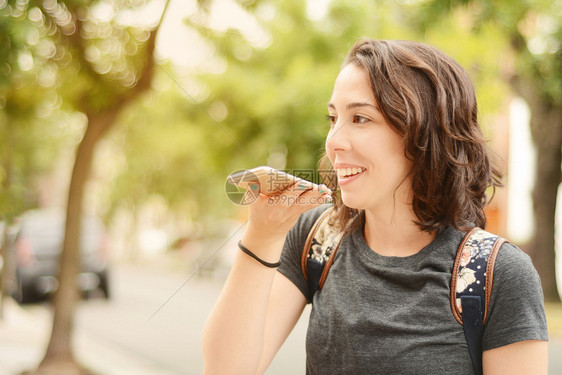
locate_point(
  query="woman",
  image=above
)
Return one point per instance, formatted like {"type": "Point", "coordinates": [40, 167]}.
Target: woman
{"type": "Point", "coordinates": [412, 172]}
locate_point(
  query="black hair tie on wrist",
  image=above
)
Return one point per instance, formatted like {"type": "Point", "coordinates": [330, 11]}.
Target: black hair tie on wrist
{"type": "Point", "coordinates": [267, 264]}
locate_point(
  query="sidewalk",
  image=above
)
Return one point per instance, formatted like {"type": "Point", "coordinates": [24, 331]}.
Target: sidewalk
{"type": "Point", "coordinates": [23, 339]}
{"type": "Point", "coordinates": [24, 336]}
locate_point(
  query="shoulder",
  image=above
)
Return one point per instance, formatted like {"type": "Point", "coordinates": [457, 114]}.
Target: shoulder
{"type": "Point", "coordinates": [508, 264]}
{"type": "Point", "coordinates": [516, 311]}
{"type": "Point", "coordinates": [513, 266]}
{"type": "Point", "coordinates": [515, 277]}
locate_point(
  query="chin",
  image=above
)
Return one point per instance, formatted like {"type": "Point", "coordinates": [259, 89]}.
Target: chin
{"type": "Point", "coordinates": [352, 202]}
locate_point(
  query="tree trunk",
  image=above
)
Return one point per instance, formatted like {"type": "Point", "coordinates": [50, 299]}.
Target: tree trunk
{"type": "Point", "coordinates": [59, 358]}
{"type": "Point", "coordinates": [59, 354]}
{"type": "Point", "coordinates": [546, 131]}
{"type": "Point", "coordinates": [546, 128]}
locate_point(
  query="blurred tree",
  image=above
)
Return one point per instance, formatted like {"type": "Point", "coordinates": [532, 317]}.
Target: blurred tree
{"type": "Point", "coordinates": [29, 125]}
{"type": "Point", "coordinates": [102, 65]}
{"type": "Point", "coordinates": [534, 34]}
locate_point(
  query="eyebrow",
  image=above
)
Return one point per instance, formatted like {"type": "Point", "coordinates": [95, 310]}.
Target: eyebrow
{"type": "Point", "coordinates": [355, 105]}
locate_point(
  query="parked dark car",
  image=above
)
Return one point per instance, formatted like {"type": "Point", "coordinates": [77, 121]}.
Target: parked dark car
{"type": "Point", "coordinates": [37, 250]}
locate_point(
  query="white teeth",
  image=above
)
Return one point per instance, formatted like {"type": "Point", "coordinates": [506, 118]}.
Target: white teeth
{"type": "Point", "coordinates": [347, 172]}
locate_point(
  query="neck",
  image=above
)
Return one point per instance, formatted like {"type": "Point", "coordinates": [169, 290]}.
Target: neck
{"type": "Point", "coordinates": [395, 235]}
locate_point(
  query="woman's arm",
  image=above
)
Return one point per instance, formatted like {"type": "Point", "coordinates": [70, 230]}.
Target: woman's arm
{"type": "Point", "coordinates": [234, 333]}
{"type": "Point", "coordinates": [285, 308]}
{"type": "Point", "coordinates": [520, 358]}
{"type": "Point", "coordinates": [258, 307]}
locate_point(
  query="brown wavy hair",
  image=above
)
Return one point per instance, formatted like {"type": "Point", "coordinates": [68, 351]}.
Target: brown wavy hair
{"type": "Point", "coordinates": [427, 98]}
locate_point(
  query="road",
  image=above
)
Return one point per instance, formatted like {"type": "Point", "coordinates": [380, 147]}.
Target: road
{"type": "Point", "coordinates": [157, 318]}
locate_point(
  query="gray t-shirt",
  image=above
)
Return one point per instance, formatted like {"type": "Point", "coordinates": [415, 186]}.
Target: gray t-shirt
{"type": "Point", "coordinates": [392, 315]}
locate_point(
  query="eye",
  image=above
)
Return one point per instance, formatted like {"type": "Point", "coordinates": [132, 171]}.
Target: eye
{"type": "Point", "coordinates": [358, 119]}
{"type": "Point", "coordinates": [331, 119]}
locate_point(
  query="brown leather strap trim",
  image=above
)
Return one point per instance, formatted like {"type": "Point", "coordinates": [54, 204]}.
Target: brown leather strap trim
{"type": "Point", "coordinates": [490, 273]}
{"type": "Point", "coordinates": [328, 264]}
{"type": "Point", "coordinates": [454, 276]}
{"type": "Point", "coordinates": [311, 235]}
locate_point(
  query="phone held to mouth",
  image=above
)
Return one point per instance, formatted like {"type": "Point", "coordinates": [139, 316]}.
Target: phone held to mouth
{"type": "Point", "coordinates": [268, 180]}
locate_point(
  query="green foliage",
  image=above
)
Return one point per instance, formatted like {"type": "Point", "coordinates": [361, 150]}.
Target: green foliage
{"type": "Point", "coordinates": [268, 106]}
{"type": "Point", "coordinates": [100, 64]}
{"type": "Point", "coordinates": [29, 130]}
{"type": "Point", "coordinates": [531, 29]}
{"type": "Point", "coordinates": [165, 154]}
{"type": "Point", "coordinates": [482, 54]}
{"type": "Point", "coordinates": [57, 58]}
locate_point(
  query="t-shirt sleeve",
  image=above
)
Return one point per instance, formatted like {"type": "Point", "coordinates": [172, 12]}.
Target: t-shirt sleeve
{"type": "Point", "coordinates": [516, 311]}
{"type": "Point", "coordinates": [293, 247]}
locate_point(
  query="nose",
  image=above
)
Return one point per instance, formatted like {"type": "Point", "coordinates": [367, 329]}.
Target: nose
{"type": "Point", "coordinates": [338, 137]}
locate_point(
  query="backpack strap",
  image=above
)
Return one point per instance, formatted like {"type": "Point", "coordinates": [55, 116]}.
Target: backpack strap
{"type": "Point", "coordinates": [319, 250]}
{"type": "Point", "coordinates": [471, 287]}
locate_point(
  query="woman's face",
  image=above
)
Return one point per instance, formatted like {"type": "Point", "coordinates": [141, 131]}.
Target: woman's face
{"type": "Point", "coordinates": [366, 153]}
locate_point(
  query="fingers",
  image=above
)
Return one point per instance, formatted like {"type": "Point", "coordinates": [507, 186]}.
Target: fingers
{"type": "Point", "coordinates": [277, 213]}
{"type": "Point", "coordinates": [303, 193]}
{"type": "Point", "coordinates": [296, 199]}
{"type": "Point", "coordinates": [251, 195]}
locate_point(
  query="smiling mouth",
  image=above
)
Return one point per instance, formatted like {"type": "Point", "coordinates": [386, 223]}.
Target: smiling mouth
{"type": "Point", "coordinates": [349, 172]}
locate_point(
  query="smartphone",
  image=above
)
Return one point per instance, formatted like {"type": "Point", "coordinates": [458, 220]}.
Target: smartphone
{"type": "Point", "coordinates": [269, 180]}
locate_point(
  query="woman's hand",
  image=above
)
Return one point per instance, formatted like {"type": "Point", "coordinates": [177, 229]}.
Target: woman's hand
{"type": "Point", "coordinates": [274, 215]}
{"type": "Point", "coordinates": [271, 217]}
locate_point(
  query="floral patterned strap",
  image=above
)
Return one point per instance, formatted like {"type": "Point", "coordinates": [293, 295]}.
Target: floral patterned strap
{"type": "Point", "coordinates": [320, 249]}
{"type": "Point", "coordinates": [473, 271]}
